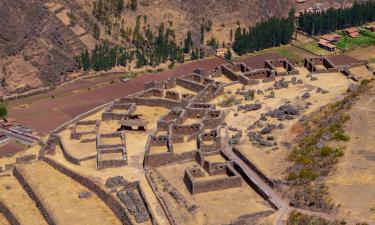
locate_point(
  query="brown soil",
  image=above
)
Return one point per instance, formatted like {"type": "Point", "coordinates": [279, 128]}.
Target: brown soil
{"type": "Point", "coordinates": [45, 115]}
{"type": "Point", "coordinates": [343, 60]}
{"type": "Point", "coordinates": [11, 148]}
{"type": "Point", "coordinates": [257, 62]}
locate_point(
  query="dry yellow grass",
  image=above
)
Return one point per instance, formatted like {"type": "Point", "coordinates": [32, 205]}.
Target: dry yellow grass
{"type": "Point", "coordinates": [158, 149]}
{"type": "Point", "coordinates": [110, 141]}
{"type": "Point", "coordinates": [19, 203]}
{"type": "Point", "coordinates": [85, 128]}
{"type": "Point", "coordinates": [60, 196]}
{"type": "Point", "coordinates": [217, 206]}
{"type": "Point", "coordinates": [76, 148]}
{"type": "Point", "coordinates": [361, 72]}
{"type": "Point", "coordinates": [63, 16]}
{"type": "Point", "coordinates": [182, 90]}
{"type": "Point", "coordinates": [3, 220]}
{"type": "Point", "coordinates": [186, 146]}
{"type": "Point", "coordinates": [215, 158]}
{"type": "Point", "coordinates": [274, 162]}
{"type": "Point", "coordinates": [223, 79]}
{"type": "Point", "coordinates": [352, 184]}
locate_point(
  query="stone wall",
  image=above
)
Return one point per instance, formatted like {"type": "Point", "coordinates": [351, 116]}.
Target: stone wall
{"type": "Point", "coordinates": [107, 198]}
{"type": "Point", "coordinates": [211, 136]}
{"type": "Point", "coordinates": [77, 135]}
{"type": "Point", "coordinates": [66, 153]}
{"type": "Point", "coordinates": [109, 114]}
{"type": "Point", "coordinates": [175, 116]}
{"type": "Point", "coordinates": [33, 196]}
{"type": "Point", "coordinates": [154, 84]}
{"type": "Point", "coordinates": [311, 65]}
{"type": "Point", "coordinates": [253, 167]}
{"type": "Point", "coordinates": [198, 110]}
{"type": "Point", "coordinates": [195, 185]}
{"type": "Point", "coordinates": [289, 67]}
{"type": "Point", "coordinates": [190, 129]}
{"type": "Point", "coordinates": [8, 214]}
{"type": "Point", "coordinates": [161, 159]}
{"type": "Point", "coordinates": [229, 72]}
{"type": "Point", "coordinates": [213, 119]}
{"type": "Point", "coordinates": [172, 95]}
{"type": "Point", "coordinates": [190, 85]}
{"type": "Point", "coordinates": [154, 102]}
{"type": "Point", "coordinates": [170, 83]}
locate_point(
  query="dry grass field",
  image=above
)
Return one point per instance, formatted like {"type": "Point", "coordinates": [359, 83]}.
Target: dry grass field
{"type": "Point", "coordinates": [351, 185]}
{"type": "Point", "coordinates": [60, 196]}
{"type": "Point", "coordinates": [19, 203]}
{"type": "Point", "coordinates": [217, 207]}
{"type": "Point", "coordinates": [273, 162]}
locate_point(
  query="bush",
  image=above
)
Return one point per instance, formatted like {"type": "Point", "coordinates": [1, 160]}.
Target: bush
{"type": "Point", "coordinates": [340, 136]}
{"type": "Point", "coordinates": [307, 174]}
{"type": "Point", "coordinates": [229, 101]}
{"type": "Point", "coordinates": [326, 151]}
{"type": "Point", "coordinates": [3, 111]}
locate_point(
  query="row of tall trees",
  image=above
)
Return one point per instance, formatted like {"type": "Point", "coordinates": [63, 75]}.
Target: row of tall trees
{"type": "Point", "coordinates": [103, 57]}
{"type": "Point", "coordinates": [149, 49]}
{"type": "Point", "coordinates": [316, 23]}
{"type": "Point", "coordinates": [265, 34]}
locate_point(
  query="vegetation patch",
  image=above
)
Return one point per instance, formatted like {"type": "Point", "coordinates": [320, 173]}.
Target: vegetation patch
{"type": "Point", "coordinates": [348, 43]}
{"type": "Point", "coordinates": [229, 101]}
{"type": "Point", "coordinates": [298, 218]}
{"type": "Point", "coordinates": [313, 47]}
{"type": "Point", "coordinates": [313, 158]}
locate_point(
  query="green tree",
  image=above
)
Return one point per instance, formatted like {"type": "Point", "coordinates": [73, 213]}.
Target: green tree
{"type": "Point", "coordinates": [96, 31]}
{"type": "Point", "coordinates": [188, 42]}
{"type": "Point", "coordinates": [3, 111]}
{"type": "Point", "coordinates": [133, 5]}
{"type": "Point", "coordinates": [228, 55]}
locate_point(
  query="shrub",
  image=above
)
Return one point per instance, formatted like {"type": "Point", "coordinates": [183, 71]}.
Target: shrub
{"type": "Point", "coordinates": [340, 136]}
{"type": "Point", "coordinates": [229, 101]}
{"type": "Point", "coordinates": [3, 111]}
{"type": "Point", "coordinates": [326, 151]}
{"type": "Point", "coordinates": [307, 174]}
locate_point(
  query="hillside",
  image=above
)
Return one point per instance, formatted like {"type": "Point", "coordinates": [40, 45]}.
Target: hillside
{"type": "Point", "coordinates": [37, 48]}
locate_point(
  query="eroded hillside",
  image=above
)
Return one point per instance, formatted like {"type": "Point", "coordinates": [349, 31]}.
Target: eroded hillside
{"type": "Point", "coordinates": [38, 39]}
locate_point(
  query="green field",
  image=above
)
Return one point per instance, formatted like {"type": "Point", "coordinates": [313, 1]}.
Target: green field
{"type": "Point", "coordinates": [289, 51]}
{"type": "Point", "coordinates": [364, 39]}
{"type": "Point", "coordinates": [313, 47]}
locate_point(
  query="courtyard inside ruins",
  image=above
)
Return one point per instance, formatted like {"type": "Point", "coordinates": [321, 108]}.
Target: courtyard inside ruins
{"type": "Point", "coordinates": [178, 152]}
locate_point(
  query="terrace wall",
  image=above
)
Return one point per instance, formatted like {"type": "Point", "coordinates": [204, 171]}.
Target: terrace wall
{"type": "Point", "coordinates": [199, 186]}
{"type": "Point", "coordinates": [190, 85]}
{"type": "Point", "coordinates": [229, 72]}
{"type": "Point", "coordinates": [33, 196]}
{"type": "Point", "coordinates": [8, 214]}
{"type": "Point", "coordinates": [107, 198]}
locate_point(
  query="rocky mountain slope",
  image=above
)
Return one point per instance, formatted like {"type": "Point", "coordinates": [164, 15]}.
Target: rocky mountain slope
{"type": "Point", "coordinates": [38, 42]}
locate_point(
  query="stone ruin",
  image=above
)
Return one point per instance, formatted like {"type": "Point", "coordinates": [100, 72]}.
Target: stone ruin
{"type": "Point", "coordinates": [131, 196]}
{"type": "Point", "coordinates": [49, 148]}
{"type": "Point", "coordinates": [249, 76]}
{"type": "Point", "coordinates": [76, 134]}
{"type": "Point", "coordinates": [111, 155]}
{"type": "Point", "coordinates": [211, 176]}
{"type": "Point", "coordinates": [288, 68]}
{"type": "Point", "coordinates": [209, 141]}
{"type": "Point", "coordinates": [320, 65]}
{"type": "Point", "coordinates": [118, 111]}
